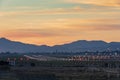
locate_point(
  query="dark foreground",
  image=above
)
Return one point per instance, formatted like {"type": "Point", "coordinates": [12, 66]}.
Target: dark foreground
{"type": "Point", "coordinates": [59, 73]}
{"type": "Point", "coordinates": [66, 73]}
{"type": "Point", "coordinates": [56, 74]}
{"type": "Point", "coordinates": [26, 69]}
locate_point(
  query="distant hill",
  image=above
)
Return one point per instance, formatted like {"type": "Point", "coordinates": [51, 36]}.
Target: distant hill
{"type": "Point", "coordinates": [81, 45]}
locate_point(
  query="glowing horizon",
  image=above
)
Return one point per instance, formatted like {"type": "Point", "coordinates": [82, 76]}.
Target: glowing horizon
{"type": "Point", "coordinates": [59, 21]}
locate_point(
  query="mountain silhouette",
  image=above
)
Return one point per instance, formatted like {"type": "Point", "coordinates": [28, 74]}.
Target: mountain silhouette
{"type": "Point", "coordinates": [7, 45]}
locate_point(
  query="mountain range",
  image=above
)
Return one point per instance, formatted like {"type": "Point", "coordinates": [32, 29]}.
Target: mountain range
{"type": "Point", "coordinates": [7, 45]}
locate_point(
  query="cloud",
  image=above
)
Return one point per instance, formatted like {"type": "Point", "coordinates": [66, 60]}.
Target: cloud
{"type": "Point", "coordinates": [76, 11]}
{"type": "Point", "coordinates": [73, 10]}
{"type": "Point", "coordinates": [43, 33]}
{"type": "Point", "coordinates": [97, 2]}
{"type": "Point", "coordinates": [94, 24]}
{"type": "Point", "coordinates": [22, 8]}
{"type": "Point", "coordinates": [26, 33]}
{"type": "Point", "coordinates": [107, 27]}
{"type": "Point", "coordinates": [95, 27]}
{"type": "Point", "coordinates": [67, 27]}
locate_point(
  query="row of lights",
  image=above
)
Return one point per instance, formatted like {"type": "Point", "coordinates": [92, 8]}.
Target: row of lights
{"type": "Point", "coordinates": [81, 58]}
{"type": "Point", "coordinates": [15, 59]}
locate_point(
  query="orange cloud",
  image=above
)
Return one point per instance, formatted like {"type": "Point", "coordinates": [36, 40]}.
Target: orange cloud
{"type": "Point", "coordinates": [95, 25]}
{"type": "Point", "coordinates": [97, 2]}
{"type": "Point", "coordinates": [66, 27]}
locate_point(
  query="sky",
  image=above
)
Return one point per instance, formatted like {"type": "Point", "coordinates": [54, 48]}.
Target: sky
{"type": "Point", "coordinates": [53, 22]}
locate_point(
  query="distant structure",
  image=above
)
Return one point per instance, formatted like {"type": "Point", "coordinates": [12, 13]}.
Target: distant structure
{"type": "Point", "coordinates": [12, 63]}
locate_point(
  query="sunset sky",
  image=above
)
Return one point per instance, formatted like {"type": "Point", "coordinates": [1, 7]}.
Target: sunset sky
{"type": "Point", "coordinates": [54, 22]}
